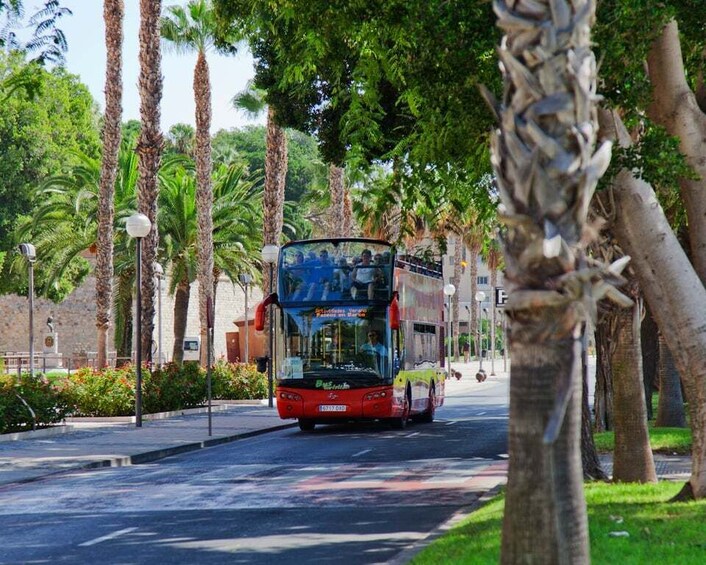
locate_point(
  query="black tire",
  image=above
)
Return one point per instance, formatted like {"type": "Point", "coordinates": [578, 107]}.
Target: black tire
{"type": "Point", "coordinates": [306, 425]}
{"type": "Point", "coordinates": [401, 422]}
{"type": "Point", "coordinates": [427, 416]}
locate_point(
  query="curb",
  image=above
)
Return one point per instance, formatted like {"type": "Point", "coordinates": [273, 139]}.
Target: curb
{"type": "Point", "coordinates": [155, 455]}
{"type": "Point", "coordinates": [40, 433]}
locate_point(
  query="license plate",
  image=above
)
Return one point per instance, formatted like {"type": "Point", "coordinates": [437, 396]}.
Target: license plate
{"type": "Point", "coordinates": [332, 408]}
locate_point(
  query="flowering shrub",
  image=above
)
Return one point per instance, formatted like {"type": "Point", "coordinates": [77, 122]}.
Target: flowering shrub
{"type": "Point", "coordinates": [173, 387]}
{"type": "Point", "coordinates": [237, 381]}
{"type": "Point", "coordinates": [109, 392]}
{"type": "Point", "coordinates": [48, 405]}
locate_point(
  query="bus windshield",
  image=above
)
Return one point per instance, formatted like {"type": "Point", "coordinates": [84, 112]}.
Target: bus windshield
{"type": "Point", "coordinates": [335, 342]}
{"type": "Point", "coordinates": [332, 270]}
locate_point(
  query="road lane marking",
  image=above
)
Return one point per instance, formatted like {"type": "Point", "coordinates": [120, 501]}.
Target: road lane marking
{"type": "Point", "coordinates": [361, 453]}
{"type": "Point", "coordinates": [107, 537]}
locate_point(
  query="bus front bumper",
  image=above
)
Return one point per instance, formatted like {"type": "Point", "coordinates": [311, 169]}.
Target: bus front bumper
{"type": "Point", "coordinates": [337, 405]}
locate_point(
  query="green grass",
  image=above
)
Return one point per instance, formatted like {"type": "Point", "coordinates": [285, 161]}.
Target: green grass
{"type": "Point", "coordinates": [659, 531]}
{"type": "Point", "coordinates": [662, 440]}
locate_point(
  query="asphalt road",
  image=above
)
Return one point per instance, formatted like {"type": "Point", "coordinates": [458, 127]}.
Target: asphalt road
{"type": "Point", "coordinates": [350, 494]}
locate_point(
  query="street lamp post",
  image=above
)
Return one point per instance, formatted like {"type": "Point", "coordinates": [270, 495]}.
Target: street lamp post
{"type": "Point", "coordinates": [246, 279]}
{"type": "Point", "coordinates": [159, 275]}
{"type": "Point", "coordinates": [269, 256]}
{"type": "Point", "coordinates": [30, 254]}
{"type": "Point", "coordinates": [449, 291]}
{"type": "Point", "coordinates": [480, 297]}
{"type": "Point", "coordinates": [138, 226]}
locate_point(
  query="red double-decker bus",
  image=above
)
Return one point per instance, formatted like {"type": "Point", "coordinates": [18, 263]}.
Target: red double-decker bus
{"type": "Point", "coordinates": [358, 333]}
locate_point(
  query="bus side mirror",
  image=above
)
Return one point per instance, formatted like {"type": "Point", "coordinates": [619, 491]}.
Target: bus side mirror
{"type": "Point", "coordinates": [394, 313]}
{"type": "Point", "coordinates": [261, 309]}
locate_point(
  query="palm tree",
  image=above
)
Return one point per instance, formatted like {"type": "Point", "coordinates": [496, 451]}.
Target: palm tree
{"type": "Point", "coordinates": [149, 149]}
{"type": "Point", "coordinates": [546, 171]}
{"type": "Point", "coordinates": [187, 30]}
{"type": "Point", "coordinates": [236, 210]}
{"type": "Point", "coordinates": [253, 101]}
{"type": "Point", "coordinates": [113, 13]}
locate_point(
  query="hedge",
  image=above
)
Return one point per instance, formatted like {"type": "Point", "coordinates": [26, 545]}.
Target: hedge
{"type": "Point", "coordinates": [111, 392]}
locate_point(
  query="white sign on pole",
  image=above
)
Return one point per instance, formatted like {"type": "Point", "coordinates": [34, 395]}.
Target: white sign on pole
{"type": "Point", "coordinates": [500, 297]}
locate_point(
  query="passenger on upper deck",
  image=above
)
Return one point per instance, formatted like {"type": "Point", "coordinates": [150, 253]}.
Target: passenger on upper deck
{"type": "Point", "coordinates": [366, 276]}
{"type": "Point", "coordinates": [342, 277]}
{"type": "Point", "coordinates": [295, 276]}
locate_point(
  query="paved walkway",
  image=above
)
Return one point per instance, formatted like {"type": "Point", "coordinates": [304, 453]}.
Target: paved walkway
{"type": "Point", "coordinates": [94, 444]}
{"type": "Point", "coordinates": [99, 444]}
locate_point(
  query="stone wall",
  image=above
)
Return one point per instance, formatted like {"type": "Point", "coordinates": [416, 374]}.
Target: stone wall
{"type": "Point", "coordinates": [75, 319]}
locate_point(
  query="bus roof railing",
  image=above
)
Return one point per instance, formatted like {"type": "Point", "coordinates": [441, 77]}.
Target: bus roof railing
{"type": "Point", "coordinates": [419, 265]}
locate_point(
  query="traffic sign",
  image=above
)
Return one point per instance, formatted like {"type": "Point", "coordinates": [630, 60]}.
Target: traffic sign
{"type": "Point", "coordinates": [500, 296]}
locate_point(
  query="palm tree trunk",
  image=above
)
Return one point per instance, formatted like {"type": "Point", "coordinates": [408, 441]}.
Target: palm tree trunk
{"type": "Point", "coordinates": [592, 469]}
{"type": "Point", "coordinates": [149, 150]}
{"type": "Point", "coordinates": [347, 213]}
{"type": "Point", "coordinates": [275, 176]}
{"type": "Point", "coordinates": [670, 411]}
{"type": "Point", "coordinates": [548, 96]}
{"type": "Point", "coordinates": [204, 196]}
{"type": "Point", "coordinates": [456, 281]}
{"type": "Point", "coordinates": [493, 263]}
{"type": "Point", "coordinates": [603, 392]}
{"type": "Point", "coordinates": [336, 215]}
{"type": "Point", "coordinates": [632, 458]}
{"type": "Point", "coordinates": [124, 316]}
{"type": "Point", "coordinates": [474, 251]}
{"type": "Point", "coordinates": [181, 310]}
{"type": "Point", "coordinates": [649, 335]}
{"type": "Point", "coordinates": [113, 13]}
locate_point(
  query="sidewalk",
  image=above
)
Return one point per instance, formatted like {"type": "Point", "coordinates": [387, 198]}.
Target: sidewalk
{"type": "Point", "coordinates": [90, 445]}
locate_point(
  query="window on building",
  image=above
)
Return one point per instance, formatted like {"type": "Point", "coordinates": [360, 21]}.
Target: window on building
{"type": "Point", "coordinates": [482, 280]}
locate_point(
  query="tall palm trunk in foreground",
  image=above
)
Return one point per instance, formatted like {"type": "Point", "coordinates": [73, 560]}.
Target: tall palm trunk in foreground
{"type": "Point", "coordinates": [149, 149]}
{"type": "Point", "coordinates": [204, 194]}
{"type": "Point", "coordinates": [543, 155]}
{"type": "Point", "coordinates": [113, 13]}
{"type": "Point", "coordinates": [275, 175]}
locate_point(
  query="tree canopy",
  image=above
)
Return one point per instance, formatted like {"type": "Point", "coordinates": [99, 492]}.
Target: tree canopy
{"type": "Point", "coordinates": [40, 136]}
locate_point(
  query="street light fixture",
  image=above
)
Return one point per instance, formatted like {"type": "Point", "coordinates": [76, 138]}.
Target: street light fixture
{"type": "Point", "coordinates": [480, 297]}
{"type": "Point", "coordinates": [449, 291]}
{"type": "Point", "coordinates": [159, 275]}
{"type": "Point", "coordinates": [269, 255]}
{"type": "Point", "coordinates": [138, 226]}
{"type": "Point", "coordinates": [30, 254]}
{"type": "Point", "coordinates": [245, 280]}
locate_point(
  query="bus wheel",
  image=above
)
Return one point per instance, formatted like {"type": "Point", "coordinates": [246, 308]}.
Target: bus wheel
{"type": "Point", "coordinates": [306, 425]}
{"type": "Point", "coordinates": [428, 415]}
{"type": "Point", "coordinates": [401, 422]}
